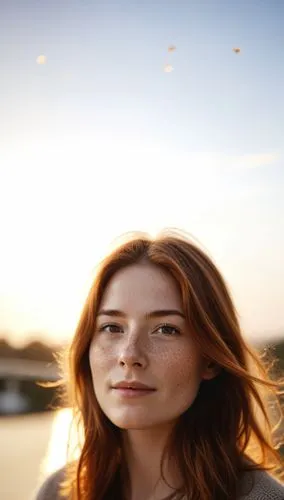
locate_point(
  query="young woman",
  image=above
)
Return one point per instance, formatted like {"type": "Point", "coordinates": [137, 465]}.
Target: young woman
{"type": "Point", "coordinates": [172, 400]}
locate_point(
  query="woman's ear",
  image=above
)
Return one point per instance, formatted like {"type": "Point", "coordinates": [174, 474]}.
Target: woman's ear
{"type": "Point", "coordinates": [210, 370]}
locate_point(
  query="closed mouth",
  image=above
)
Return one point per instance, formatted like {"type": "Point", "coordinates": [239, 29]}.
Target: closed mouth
{"type": "Point", "coordinates": [133, 386]}
{"type": "Point", "coordinates": [133, 389]}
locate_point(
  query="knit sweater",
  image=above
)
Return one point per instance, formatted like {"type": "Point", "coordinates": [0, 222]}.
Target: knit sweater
{"type": "Point", "coordinates": [257, 485]}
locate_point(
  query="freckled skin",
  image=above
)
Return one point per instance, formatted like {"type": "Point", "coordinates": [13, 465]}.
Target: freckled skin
{"type": "Point", "coordinates": [139, 349]}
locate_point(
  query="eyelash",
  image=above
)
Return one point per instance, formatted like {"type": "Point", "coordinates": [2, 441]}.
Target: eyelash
{"type": "Point", "coordinates": [103, 327]}
{"type": "Point", "coordinates": [164, 325]}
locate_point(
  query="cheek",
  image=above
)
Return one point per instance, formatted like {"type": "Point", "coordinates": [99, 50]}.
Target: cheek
{"type": "Point", "coordinates": [178, 361]}
{"type": "Point", "coordinates": [182, 371]}
{"type": "Point", "coordinates": [99, 357]}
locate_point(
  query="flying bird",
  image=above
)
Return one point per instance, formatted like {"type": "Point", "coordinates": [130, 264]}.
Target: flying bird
{"type": "Point", "coordinates": [168, 68]}
{"type": "Point", "coordinates": [41, 59]}
{"type": "Point", "coordinates": [237, 50]}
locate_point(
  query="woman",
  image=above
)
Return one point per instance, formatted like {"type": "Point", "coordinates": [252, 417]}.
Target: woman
{"type": "Point", "coordinates": [172, 400]}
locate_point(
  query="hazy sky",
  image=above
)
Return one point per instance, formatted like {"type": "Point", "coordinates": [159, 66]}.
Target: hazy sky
{"type": "Point", "coordinates": [100, 140]}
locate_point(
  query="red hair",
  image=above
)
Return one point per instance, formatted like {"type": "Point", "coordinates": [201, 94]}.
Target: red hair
{"type": "Point", "coordinates": [228, 428]}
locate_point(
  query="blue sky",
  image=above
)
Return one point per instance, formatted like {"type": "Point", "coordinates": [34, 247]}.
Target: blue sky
{"type": "Point", "coordinates": [105, 59]}
{"type": "Point", "coordinates": [200, 147]}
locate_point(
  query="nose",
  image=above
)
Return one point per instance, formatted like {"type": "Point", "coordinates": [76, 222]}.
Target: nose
{"type": "Point", "coordinates": [132, 354]}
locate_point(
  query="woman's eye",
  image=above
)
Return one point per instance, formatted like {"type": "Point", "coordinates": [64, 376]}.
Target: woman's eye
{"type": "Point", "coordinates": [168, 330]}
{"type": "Point", "coordinates": [110, 328]}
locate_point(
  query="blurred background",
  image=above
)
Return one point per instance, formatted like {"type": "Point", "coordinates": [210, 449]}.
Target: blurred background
{"type": "Point", "coordinates": [120, 116]}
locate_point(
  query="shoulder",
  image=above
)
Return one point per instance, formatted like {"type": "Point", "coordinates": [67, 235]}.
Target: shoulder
{"type": "Point", "coordinates": [49, 490]}
{"type": "Point", "coordinates": [259, 485]}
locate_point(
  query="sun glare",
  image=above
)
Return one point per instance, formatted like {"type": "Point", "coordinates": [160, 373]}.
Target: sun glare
{"type": "Point", "coordinates": [56, 456]}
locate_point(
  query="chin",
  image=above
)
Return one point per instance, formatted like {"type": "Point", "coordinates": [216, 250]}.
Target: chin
{"type": "Point", "coordinates": [133, 426]}
{"type": "Point", "coordinates": [132, 422]}
{"type": "Point", "coordinates": [143, 421]}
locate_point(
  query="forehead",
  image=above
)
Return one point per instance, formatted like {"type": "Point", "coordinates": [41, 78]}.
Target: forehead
{"type": "Point", "coordinates": [144, 287]}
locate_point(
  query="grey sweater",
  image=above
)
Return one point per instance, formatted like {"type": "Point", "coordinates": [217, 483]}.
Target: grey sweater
{"type": "Point", "coordinates": [258, 485]}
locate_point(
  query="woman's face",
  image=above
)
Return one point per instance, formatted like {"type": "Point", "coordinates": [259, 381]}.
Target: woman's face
{"type": "Point", "coordinates": [142, 337]}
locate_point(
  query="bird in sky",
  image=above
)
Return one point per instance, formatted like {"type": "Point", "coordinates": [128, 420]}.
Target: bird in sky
{"type": "Point", "coordinates": [41, 59]}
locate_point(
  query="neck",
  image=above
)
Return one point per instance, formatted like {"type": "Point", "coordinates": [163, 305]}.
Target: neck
{"type": "Point", "coordinates": [143, 451]}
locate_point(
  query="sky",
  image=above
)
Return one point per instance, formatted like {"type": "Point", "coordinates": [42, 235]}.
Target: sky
{"type": "Point", "coordinates": [100, 140]}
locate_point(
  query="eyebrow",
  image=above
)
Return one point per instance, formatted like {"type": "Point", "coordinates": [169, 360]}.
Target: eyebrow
{"type": "Point", "coordinates": [153, 314]}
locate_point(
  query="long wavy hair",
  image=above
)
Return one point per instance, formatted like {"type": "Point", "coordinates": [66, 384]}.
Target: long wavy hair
{"type": "Point", "coordinates": [229, 428]}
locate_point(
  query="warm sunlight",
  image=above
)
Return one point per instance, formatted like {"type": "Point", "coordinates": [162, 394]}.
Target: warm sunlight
{"type": "Point", "coordinates": [116, 118]}
{"type": "Point", "coordinates": [56, 454]}
{"type": "Point", "coordinates": [64, 233]}
{"type": "Point", "coordinates": [120, 146]}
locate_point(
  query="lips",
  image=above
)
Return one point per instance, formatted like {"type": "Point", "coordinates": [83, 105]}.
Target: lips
{"type": "Point", "coordinates": [133, 385]}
